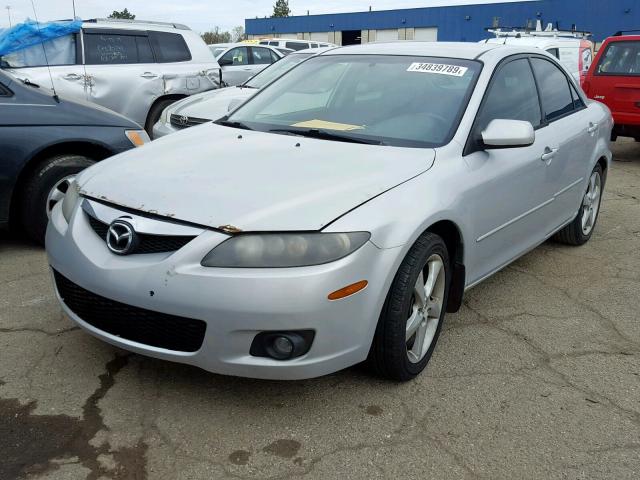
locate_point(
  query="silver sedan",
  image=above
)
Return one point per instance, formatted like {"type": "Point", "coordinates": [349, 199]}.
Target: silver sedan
{"type": "Point", "coordinates": [338, 215]}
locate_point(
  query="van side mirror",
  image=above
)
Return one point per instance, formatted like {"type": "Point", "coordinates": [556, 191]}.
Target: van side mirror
{"type": "Point", "coordinates": [508, 134]}
{"type": "Point", "coordinates": [225, 62]}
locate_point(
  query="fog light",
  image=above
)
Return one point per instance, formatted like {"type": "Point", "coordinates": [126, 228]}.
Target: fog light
{"type": "Point", "coordinates": [282, 345]}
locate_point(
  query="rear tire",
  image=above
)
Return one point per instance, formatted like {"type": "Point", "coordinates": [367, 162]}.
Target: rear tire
{"type": "Point", "coordinates": [33, 205]}
{"type": "Point", "coordinates": [579, 231]}
{"type": "Point", "coordinates": [154, 114]}
{"type": "Point", "coordinates": [396, 352]}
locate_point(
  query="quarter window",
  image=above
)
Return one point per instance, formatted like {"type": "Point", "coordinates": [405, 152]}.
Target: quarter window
{"type": "Point", "coordinates": [169, 47]}
{"type": "Point", "coordinates": [4, 91]}
{"type": "Point", "coordinates": [557, 99]}
{"type": "Point", "coordinates": [512, 95]}
{"type": "Point", "coordinates": [115, 49]}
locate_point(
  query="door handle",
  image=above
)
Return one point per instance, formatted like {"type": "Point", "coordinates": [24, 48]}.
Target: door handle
{"type": "Point", "coordinates": [548, 154]}
{"type": "Point", "coordinates": [72, 76]}
{"type": "Point", "coordinates": [593, 128]}
{"type": "Point", "coordinates": [149, 75]}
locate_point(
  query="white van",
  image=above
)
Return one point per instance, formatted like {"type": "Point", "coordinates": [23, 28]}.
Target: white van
{"type": "Point", "coordinates": [294, 43]}
{"type": "Point", "coordinates": [572, 49]}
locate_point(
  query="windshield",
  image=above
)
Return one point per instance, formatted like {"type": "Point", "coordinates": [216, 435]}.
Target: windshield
{"type": "Point", "coordinates": [276, 70]}
{"type": "Point", "coordinates": [387, 100]}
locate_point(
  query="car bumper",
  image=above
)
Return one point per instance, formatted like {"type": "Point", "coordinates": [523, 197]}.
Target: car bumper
{"type": "Point", "coordinates": [161, 129]}
{"type": "Point", "coordinates": [235, 304]}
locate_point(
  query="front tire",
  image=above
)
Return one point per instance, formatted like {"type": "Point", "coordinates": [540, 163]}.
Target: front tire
{"type": "Point", "coordinates": [154, 114]}
{"type": "Point", "coordinates": [413, 313]}
{"type": "Point", "coordinates": [44, 188]}
{"type": "Point", "coordinates": [579, 231]}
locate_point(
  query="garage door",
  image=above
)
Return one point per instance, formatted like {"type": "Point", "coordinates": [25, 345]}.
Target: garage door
{"type": "Point", "coordinates": [390, 35]}
{"type": "Point", "coordinates": [426, 34]}
{"type": "Point", "coordinates": [320, 37]}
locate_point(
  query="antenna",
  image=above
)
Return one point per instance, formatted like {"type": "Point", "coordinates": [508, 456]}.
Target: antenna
{"type": "Point", "coordinates": [8, 7]}
{"type": "Point", "coordinates": [73, 3]}
{"type": "Point", "coordinates": [44, 50]}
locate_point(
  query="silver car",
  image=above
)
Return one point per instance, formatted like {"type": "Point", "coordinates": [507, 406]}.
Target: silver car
{"type": "Point", "coordinates": [207, 106]}
{"type": "Point", "coordinates": [134, 68]}
{"type": "Point", "coordinates": [241, 61]}
{"type": "Point", "coordinates": [336, 216]}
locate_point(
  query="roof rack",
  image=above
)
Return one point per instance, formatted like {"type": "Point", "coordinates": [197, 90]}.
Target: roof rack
{"type": "Point", "coordinates": [178, 26]}
{"type": "Point", "coordinates": [623, 32]}
{"type": "Point", "coordinates": [550, 31]}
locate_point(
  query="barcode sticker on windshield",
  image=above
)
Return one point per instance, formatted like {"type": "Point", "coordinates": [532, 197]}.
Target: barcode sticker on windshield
{"type": "Point", "coordinates": [439, 68]}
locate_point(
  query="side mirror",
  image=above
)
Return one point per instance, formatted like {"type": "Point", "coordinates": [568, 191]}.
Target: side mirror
{"type": "Point", "coordinates": [508, 134]}
{"type": "Point", "coordinates": [225, 62]}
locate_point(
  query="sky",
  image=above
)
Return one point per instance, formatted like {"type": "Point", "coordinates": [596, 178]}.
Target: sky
{"type": "Point", "coordinates": [201, 15]}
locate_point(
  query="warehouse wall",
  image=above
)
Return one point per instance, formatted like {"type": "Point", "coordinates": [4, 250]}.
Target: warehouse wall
{"type": "Point", "coordinates": [465, 22]}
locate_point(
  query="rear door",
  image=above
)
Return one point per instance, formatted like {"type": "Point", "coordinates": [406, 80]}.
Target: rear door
{"type": "Point", "coordinates": [122, 73]}
{"type": "Point", "coordinates": [261, 58]}
{"type": "Point", "coordinates": [616, 80]}
{"type": "Point", "coordinates": [572, 132]}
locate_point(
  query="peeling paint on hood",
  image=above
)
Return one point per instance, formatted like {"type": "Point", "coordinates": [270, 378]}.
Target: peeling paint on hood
{"type": "Point", "coordinates": [213, 175]}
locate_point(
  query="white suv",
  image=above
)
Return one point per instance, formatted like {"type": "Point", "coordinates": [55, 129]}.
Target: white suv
{"type": "Point", "coordinates": [134, 68]}
{"type": "Point", "coordinates": [295, 44]}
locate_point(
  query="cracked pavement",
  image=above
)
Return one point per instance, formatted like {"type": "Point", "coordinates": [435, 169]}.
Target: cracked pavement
{"type": "Point", "coordinates": [538, 376]}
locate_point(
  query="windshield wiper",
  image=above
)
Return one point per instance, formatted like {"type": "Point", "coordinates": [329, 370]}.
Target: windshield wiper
{"type": "Point", "coordinates": [326, 135]}
{"type": "Point", "coordinates": [228, 123]}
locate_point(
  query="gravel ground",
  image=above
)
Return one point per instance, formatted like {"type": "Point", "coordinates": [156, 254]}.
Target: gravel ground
{"type": "Point", "coordinates": [538, 376]}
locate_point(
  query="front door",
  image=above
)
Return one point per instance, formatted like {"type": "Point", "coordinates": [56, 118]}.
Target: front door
{"type": "Point", "coordinates": [509, 202]}
{"type": "Point", "coordinates": [236, 67]}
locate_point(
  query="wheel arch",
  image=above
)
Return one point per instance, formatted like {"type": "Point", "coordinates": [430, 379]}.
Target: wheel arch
{"type": "Point", "coordinates": [453, 239]}
{"type": "Point", "coordinates": [93, 150]}
{"type": "Point", "coordinates": [170, 96]}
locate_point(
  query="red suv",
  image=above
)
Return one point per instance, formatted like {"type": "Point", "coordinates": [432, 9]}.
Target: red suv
{"type": "Point", "coordinates": [614, 79]}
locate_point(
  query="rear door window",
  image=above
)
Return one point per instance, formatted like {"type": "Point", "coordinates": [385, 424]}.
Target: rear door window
{"type": "Point", "coordinates": [261, 56]}
{"type": "Point", "coordinates": [114, 48]}
{"type": "Point", "coordinates": [555, 93]}
{"type": "Point", "coordinates": [620, 58]}
{"type": "Point", "coordinates": [169, 47]}
{"type": "Point", "coordinates": [554, 51]}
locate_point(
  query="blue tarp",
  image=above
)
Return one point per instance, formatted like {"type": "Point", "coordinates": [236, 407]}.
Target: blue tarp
{"type": "Point", "coordinates": [30, 33]}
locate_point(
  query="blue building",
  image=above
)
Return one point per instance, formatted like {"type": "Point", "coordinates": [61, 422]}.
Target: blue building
{"type": "Point", "coordinates": [452, 23]}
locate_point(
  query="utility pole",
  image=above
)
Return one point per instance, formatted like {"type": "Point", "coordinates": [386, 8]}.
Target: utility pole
{"type": "Point", "coordinates": [8, 7]}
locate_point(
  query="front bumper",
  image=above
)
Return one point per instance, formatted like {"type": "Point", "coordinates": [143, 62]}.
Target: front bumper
{"type": "Point", "coordinates": [236, 304]}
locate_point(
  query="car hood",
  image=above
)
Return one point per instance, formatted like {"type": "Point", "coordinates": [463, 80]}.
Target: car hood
{"type": "Point", "coordinates": [213, 104]}
{"type": "Point", "coordinates": [235, 179]}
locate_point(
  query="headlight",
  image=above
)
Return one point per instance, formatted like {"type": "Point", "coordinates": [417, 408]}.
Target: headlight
{"type": "Point", "coordinates": [137, 137]}
{"type": "Point", "coordinates": [70, 200]}
{"type": "Point", "coordinates": [273, 250]}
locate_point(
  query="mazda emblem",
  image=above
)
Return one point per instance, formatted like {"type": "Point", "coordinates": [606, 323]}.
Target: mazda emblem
{"type": "Point", "coordinates": [121, 237]}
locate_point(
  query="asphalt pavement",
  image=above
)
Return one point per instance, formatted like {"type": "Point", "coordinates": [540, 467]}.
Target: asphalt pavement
{"type": "Point", "coordinates": [537, 377]}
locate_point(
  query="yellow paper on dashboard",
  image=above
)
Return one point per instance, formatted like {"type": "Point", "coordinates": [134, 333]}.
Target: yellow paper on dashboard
{"type": "Point", "coordinates": [345, 127]}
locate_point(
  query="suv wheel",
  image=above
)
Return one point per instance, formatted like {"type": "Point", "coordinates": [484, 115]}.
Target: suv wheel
{"type": "Point", "coordinates": [44, 188]}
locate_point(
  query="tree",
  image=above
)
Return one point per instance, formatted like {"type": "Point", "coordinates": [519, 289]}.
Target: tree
{"type": "Point", "coordinates": [123, 15]}
{"type": "Point", "coordinates": [281, 9]}
{"type": "Point", "coordinates": [216, 36]}
{"type": "Point", "coordinates": [237, 33]}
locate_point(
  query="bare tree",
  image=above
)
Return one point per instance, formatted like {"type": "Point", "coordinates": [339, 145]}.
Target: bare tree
{"type": "Point", "coordinates": [237, 34]}
{"type": "Point", "coordinates": [216, 36]}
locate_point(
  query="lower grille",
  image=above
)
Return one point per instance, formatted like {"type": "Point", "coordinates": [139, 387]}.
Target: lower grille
{"type": "Point", "coordinates": [148, 243]}
{"type": "Point", "coordinates": [180, 121]}
{"type": "Point", "coordinates": [131, 323]}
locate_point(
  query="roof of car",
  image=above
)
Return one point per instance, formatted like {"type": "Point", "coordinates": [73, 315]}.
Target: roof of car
{"type": "Point", "coordinates": [133, 24]}
{"type": "Point", "coordinates": [463, 50]}
{"type": "Point", "coordinates": [539, 42]}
